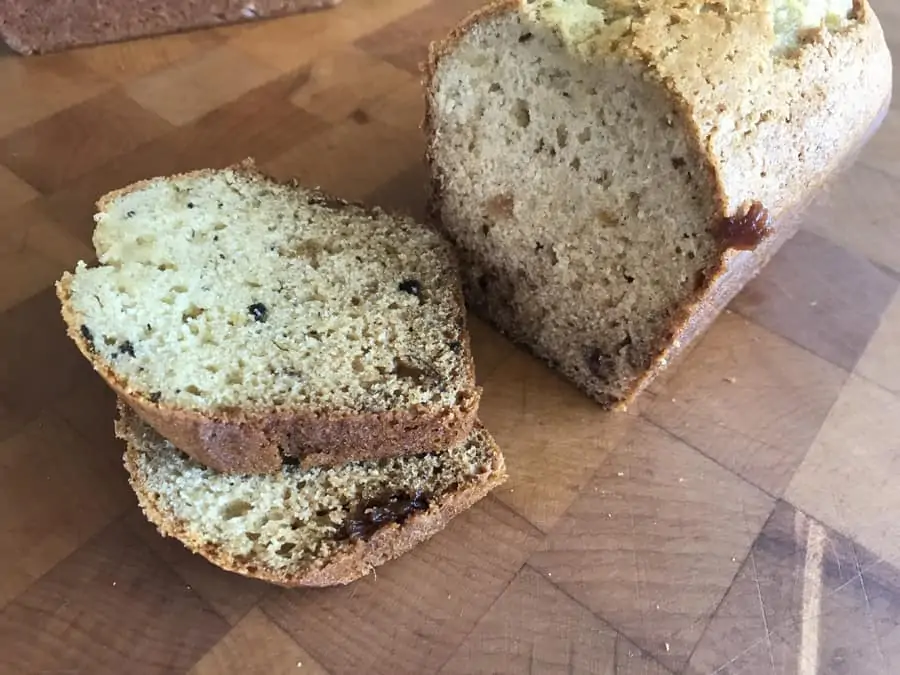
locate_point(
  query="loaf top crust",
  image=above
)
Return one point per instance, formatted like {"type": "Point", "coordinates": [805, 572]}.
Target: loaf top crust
{"type": "Point", "coordinates": [771, 87]}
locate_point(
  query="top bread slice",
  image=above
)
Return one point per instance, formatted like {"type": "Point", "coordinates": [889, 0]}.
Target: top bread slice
{"type": "Point", "coordinates": [251, 322]}
{"type": "Point", "coordinates": [613, 172]}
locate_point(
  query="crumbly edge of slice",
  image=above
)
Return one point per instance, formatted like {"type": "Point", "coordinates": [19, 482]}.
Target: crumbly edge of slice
{"type": "Point", "coordinates": [340, 560]}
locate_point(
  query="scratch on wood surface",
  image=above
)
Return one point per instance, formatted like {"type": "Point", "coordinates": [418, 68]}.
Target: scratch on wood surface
{"type": "Point", "coordinates": [634, 557]}
{"type": "Point", "coordinates": [762, 608]}
{"type": "Point", "coordinates": [808, 658]}
{"type": "Point", "coordinates": [871, 617]}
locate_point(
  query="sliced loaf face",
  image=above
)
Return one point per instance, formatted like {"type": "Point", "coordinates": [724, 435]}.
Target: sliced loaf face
{"type": "Point", "coordinates": [583, 209]}
{"type": "Point", "coordinates": [246, 319]}
{"type": "Point", "coordinates": [613, 172]}
{"type": "Point", "coordinates": [315, 527]}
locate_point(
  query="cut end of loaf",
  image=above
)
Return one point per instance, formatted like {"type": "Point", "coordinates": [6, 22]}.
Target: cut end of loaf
{"type": "Point", "coordinates": [306, 527]}
{"type": "Point", "coordinates": [600, 163]}
{"type": "Point", "coordinates": [223, 289]}
{"type": "Point", "coordinates": [583, 209]}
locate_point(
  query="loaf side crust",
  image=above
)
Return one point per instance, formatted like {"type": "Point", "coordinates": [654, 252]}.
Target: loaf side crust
{"type": "Point", "coordinates": [388, 543]}
{"type": "Point", "coordinates": [55, 25]}
{"type": "Point", "coordinates": [248, 440]}
{"type": "Point", "coordinates": [860, 49]}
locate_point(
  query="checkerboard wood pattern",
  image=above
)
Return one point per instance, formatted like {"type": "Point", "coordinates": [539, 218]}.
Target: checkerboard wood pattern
{"type": "Point", "coordinates": [743, 520]}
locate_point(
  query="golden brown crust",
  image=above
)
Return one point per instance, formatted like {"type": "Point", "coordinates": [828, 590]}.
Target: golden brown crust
{"type": "Point", "coordinates": [783, 202]}
{"type": "Point", "coordinates": [355, 561]}
{"type": "Point", "coordinates": [257, 441]}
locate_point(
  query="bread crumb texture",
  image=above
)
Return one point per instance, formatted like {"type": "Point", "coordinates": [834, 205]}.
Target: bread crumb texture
{"type": "Point", "coordinates": [589, 157]}
{"type": "Point", "coordinates": [287, 524]}
{"type": "Point", "coordinates": [219, 289]}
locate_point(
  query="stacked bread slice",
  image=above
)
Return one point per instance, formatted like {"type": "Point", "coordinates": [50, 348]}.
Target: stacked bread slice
{"type": "Point", "coordinates": [295, 380]}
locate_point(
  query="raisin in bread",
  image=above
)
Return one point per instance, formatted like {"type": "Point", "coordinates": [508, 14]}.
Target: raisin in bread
{"type": "Point", "coordinates": [306, 527]}
{"type": "Point", "coordinates": [614, 171]}
{"type": "Point", "coordinates": [248, 320]}
{"type": "Point", "coordinates": [52, 25]}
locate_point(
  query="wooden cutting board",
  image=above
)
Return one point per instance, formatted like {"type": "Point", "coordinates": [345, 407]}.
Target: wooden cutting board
{"type": "Point", "coordinates": [743, 519]}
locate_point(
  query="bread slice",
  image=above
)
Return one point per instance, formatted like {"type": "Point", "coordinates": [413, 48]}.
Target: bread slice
{"type": "Point", "coordinates": [306, 527]}
{"type": "Point", "coordinates": [248, 321]}
{"type": "Point", "coordinates": [614, 172]}
{"type": "Point", "coordinates": [53, 25]}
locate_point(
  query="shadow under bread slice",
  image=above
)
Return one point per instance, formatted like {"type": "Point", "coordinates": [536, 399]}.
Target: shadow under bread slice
{"type": "Point", "coordinates": [306, 527]}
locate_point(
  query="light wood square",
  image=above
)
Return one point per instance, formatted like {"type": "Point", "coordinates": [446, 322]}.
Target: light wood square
{"type": "Point", "coordinates": [43, 87]}
{"type": "Point", "coordinates": [413, 612]}
{"type": "Point", "coordinates": [748, 399]}
{"type": "Point", "coordinates": [340, 160]}
{"type": "Point", "coordinates": [256, 646]}
{"type": "Point", "coordinates": [859, 213]}
{"type": "Point", "coordinates": [56, 491]}
{"type": "Point", "coordinates": [128, 60]}
{"type": "Point", "coordinates": [881, 360]}
{"type": "Point", "coordinates": [653, 542]}
{"type": "Point", "coordinates": [13, 191]}
{"type": "Point", "coordinates": [195, 86]}
{"type": "Point", "coordinates": [341, 81]}
{"type": "Point", "coordinates": [552, 435]}
{"type": "Point", "coordinates": [535, 627]}
{"type": "Point", "coordinates": [34, 252]}
{"type": "Point", "coordinates": [848, 479]}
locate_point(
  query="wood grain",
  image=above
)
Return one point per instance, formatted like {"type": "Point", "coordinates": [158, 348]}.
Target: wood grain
{"type": "Point", "coordinates": [732, 396]}
{"type": "Point", "coordinates": [413, 614]}
{"type": "Point", "coordinates": [742, 520]}
{"type": "Point", "coordinates": [654, 540]}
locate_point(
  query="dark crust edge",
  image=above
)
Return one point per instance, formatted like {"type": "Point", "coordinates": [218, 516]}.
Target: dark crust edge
{"type": "Point", "coordinates": [253, 441]}
{"type": "Point", "coordinates": [362, 557]}
{"type": "Point", "coordinates": [726, 276]}
{"type": "Point", "coordinates": [23, 40]}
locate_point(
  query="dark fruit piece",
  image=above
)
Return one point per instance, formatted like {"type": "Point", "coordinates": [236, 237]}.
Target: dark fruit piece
{"type": "Point", "coordinates": [411, 286]}
{"type": "Point", "coordinates": [258, 311]}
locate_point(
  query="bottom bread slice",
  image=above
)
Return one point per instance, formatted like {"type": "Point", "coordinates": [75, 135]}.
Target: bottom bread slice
{"type": "Point", "coordinates": [306, 527]}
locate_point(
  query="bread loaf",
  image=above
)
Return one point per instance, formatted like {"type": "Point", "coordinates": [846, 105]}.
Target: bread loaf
{"type": "Point", "coordinates": [249, 321]}
{"type": "Point", "coordinates": [316, 527]}
{"type": "Point", "coordinates": [613, 172]}
{"type": "Point", "coordinates": [53, 25]}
